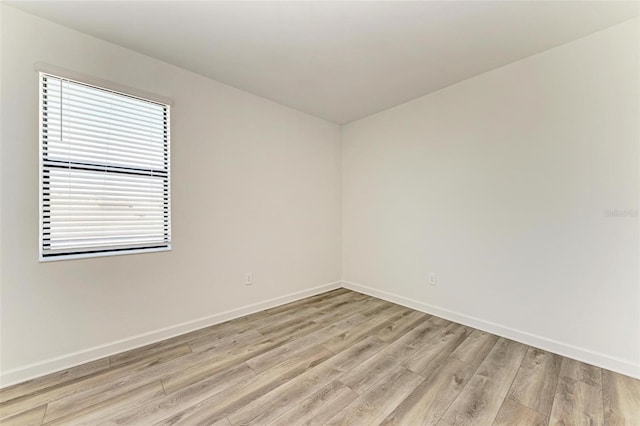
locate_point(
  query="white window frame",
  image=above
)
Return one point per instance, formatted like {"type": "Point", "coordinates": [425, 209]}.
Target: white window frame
{"type": "Point", "coordinates": [56, 72]}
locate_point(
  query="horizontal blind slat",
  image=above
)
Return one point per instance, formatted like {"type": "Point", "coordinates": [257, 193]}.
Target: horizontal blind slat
{"type": "Point", "coordinates": [54, 128]}
{"type": "Point", "coordinates": [96, 143]}
{"type": "Point", "coordinates": [71, 152]}
{"type": "Point", "coordinates": [83, 109]}
{"type": "Point", "coordinates": [71, 121]}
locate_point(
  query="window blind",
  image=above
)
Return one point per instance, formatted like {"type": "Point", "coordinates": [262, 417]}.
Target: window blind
{"type": "Point", "coordinates": [104, 171]}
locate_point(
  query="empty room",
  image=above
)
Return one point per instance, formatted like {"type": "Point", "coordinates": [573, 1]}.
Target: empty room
{"type": "Point", "coordinates": [319, 213]}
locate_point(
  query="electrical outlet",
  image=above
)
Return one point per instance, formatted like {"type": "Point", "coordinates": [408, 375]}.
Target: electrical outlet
{"type": "Point", "coordinates": [248, 278]}
{"type": "Point", "coordinates": [433, 278]}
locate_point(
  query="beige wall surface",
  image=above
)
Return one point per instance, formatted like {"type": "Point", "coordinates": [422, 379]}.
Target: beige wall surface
{"type": "Point", "coordinates": [507, 186]}
{"type": "Point", "coordinates": [255, 188]}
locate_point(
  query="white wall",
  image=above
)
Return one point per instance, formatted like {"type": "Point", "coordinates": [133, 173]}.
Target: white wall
{"type": "Point", "coordinates": [255, 187]}
{"type": "Point", "coordinates": [500, 185]}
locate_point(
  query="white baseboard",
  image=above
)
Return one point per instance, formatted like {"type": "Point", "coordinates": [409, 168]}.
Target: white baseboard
{"type": "Point", "coordinates": [31, 371]}
{"type": "Point", "coordinates": [605, 361]}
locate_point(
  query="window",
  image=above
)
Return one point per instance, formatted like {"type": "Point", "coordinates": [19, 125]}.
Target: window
{"type": "Point", "coordinates": [104, 171]}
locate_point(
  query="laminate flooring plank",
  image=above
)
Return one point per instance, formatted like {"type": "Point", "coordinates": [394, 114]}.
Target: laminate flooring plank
{"type": "Point", "coordinates": [144, 352]}
{"type": "Point", "coordinates": [512, 413]}
{"type": "Point", "coordinates": [32, 417]}
{"type": "Point", "coordinates": [358, 354]}
{"type": "Point", "coordinates": [212, 336]}
{"type": "Point", "coordinates": [120, 384]}
{"type": "Point", "coordinates": [212, 344]}
{"type": "Point", "coordinates": [104, 409]}
{"type": "Point", "coordinates": [266, 360]}
{"type": "Point", "coordinates": [581, 371]}
{"type": "Point", "coordinates": [363, 376]}
{"type": "Point", "coordinates": [169, 405]}
{"type": "Point", "coordinates": [577, 403]}
{"type": "Point", "coordinates": [366, 328]}
{"type": "Point", "coordinates": [341, 302]}
{"type": "Point", "coordinates": [362, 305]}
{"type": "Point", "coordinates": [621, 396]}
{"type": "Point", "coordinates": [319, 304]}
{"type": "Point", "coordinates": [275, 403]}
{"type": "Point", "coordinates": [86, 384]}
{"type": "Point", "coordinates": [271, 320]}
{"type": "Point", "coordinates": [197, 372]}
{"type": "Point", "coordinates": [375, 404]}
{"type": "Point", "coordinates": [230, 400]}
{"type": "Point", "coordinates": [374, 307]}
{"type": "Point", "coordinates": [318, 300]}
{"type": "Point", "coordinates": [234, 355]}
{"type": "Point", "coordinates": [482, 397]}
{"type": "Point", "coordinates": [536, 381]}
{"type": "Point", "coordinates": [301, 329]}
{"type": "Point", "coordinates": [64, 406]}
{"type": "Point", "coordinates": [318, 408]}
{"type": "Point", "coordinates": [428, 357]}
{"type": "Point", "coordinates": [297, 325]}
{"type": "Point", "coordinates": [261, 318]}
{"type": "Point", "coordinates": [41, 384]}
{"type": "Point", "coordinates": [154, 372]}
{"type": "Point", "coordinates": [194, 372]}
{"type": "Point", "coordinates": [211, 333]}
{"type": "Point", "coordinates": [120, 379]}
{"type": "Point", "coordinates": [430, 400]}
{"type": "Point", "coordinates": [279, 315]}
{"type": "Point", "coordinates": [311, 300]}
{"type": "Point", "coordinates": [398, 326]}
{"type": "Point", "coordinates": [292, 325]}
{"type": "Point", "coordinates": [475, 347]}
{"type": "Point", "coordinates": [329, 315]}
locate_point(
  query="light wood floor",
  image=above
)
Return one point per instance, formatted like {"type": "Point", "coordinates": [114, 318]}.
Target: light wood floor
{"type": "Point", "coordinates": [337, 358]}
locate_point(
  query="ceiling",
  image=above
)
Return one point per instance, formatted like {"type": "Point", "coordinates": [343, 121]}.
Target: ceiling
{"type": "Point", "coordinates": [337, 60]}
